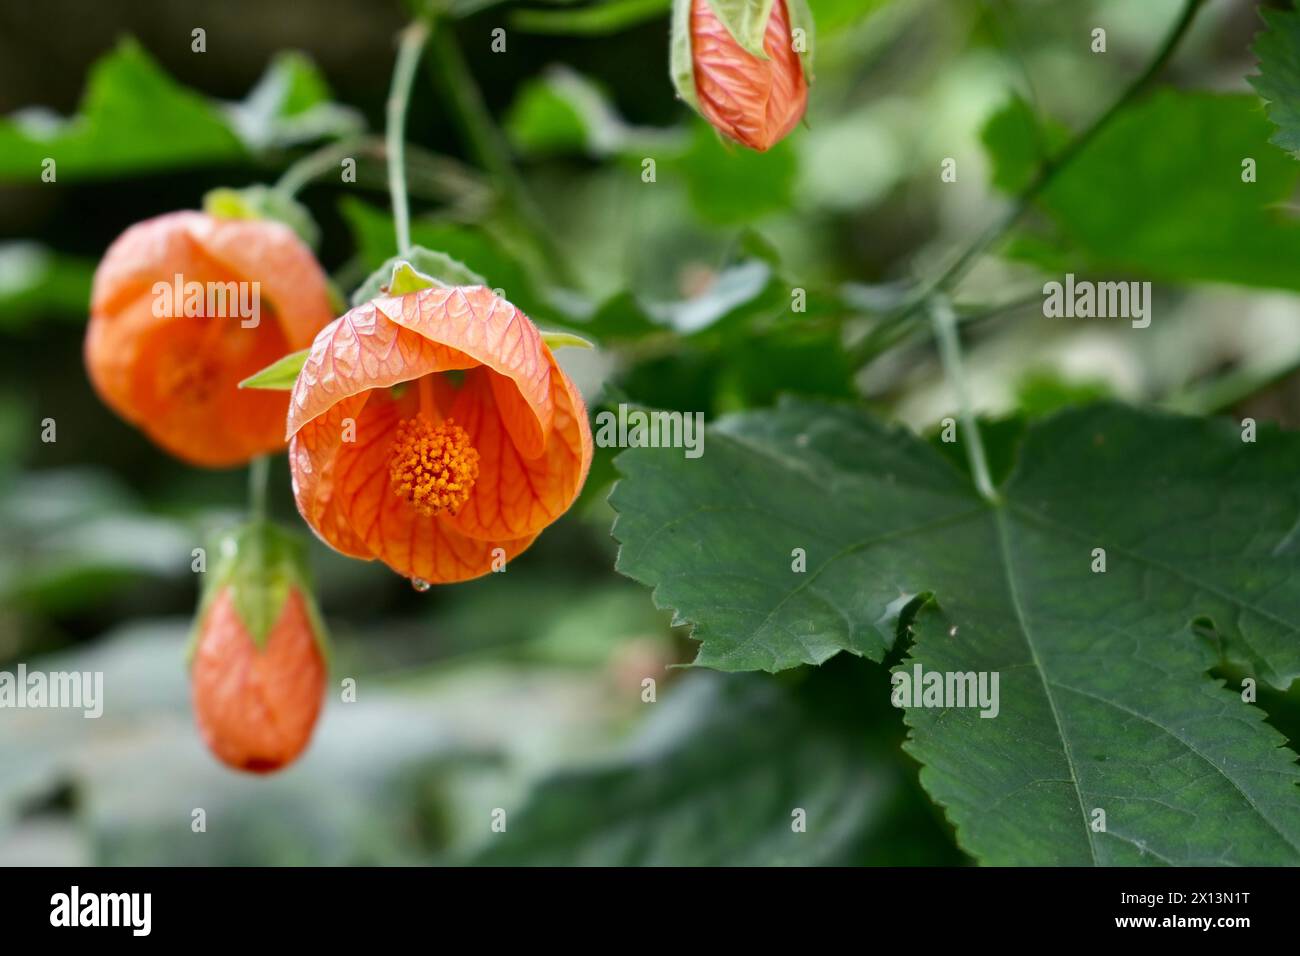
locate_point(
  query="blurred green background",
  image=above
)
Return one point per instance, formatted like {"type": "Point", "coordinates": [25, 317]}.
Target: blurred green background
{"type": "Point", "coordinates": [525, 692]}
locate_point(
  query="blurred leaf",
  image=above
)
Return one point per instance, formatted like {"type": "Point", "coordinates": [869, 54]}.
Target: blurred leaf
{"type": "Point", "coordinates": [1009, 591]}
{"type": "Point", "coordinates": [35, 282]}
{"type": "Point", "coordinates": [597, 19]}
{"type": "Point", "coordinates": [729, 185]}
{"type": "Point", "coordinates": [1278, 81]}
{"type": "Point", "coordinates": [133, 118]}
{"type": "Point", "coordinates": [291, 105]}
{"type": "Point", "coordinates": [713, 778]}
{"type": "Point", "coordinates": [387, 779]}
{"type": "Point", "coordinates": [72, 535]}
{"type": "Point", "coordinates": [1019, 144]}
{"type": "Point", "coordinates": [1159, 193]}
{"type": "Point", "coordinates": [1042, 391]}
{"type": "Point", "coordinates": [835, 15]}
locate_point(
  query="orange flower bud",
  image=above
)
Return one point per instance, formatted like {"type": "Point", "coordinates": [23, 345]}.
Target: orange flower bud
{"type": "Point", "coordinates": [187, 305]}
{"type": "Point", "coordinates": [754, 101]}
{"type": "Point", "coordinates": [258, 669]}
{"type": "Point", "coordinates": [256, 708]}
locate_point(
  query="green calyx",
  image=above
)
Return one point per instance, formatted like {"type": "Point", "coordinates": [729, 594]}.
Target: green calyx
{"type": "Point", "coordinates": [259, 564]}
{"type": "Point", "coordinates": [417, 269]}
{"type": "Point", "coordinates": [263, 202]}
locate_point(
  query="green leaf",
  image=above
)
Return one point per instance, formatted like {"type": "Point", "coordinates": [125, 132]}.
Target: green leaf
{"type": "Point", "coordinates": [1105, 699]}
{"type": "Point", "coordinates": [1278, 82]}
{"type": "Point", "coordinates": [35, 281]}
{"type": "Point", "coordinates": [291, 105]}
{"type": "Point", "coordinates": [280, 374]}
{"type": "Point", "coordinates": [729, 185]}
{"type": "Point", "coordinates": [418, 269]}
{"type": "Point", "coordinates": [563, 112]}
{"type": "Point", "coordinates": [1159, 193]}
{"type": "Point", "coordinates": [600, 19]}
{"type": "Point", "coordinates": [133, 118]}
{"type": "Point", "coordinates": [713, 778]}
{"type": "Point", "coordinates": [1020, 144]}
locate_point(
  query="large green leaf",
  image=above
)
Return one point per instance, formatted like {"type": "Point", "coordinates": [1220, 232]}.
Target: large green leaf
{"type": "Point", "coordinates": [1160, 193]}
{"type": "Point", "coordinates": [1278, 49]}
{"type": "Point", "coordinates": [715, 777]}
{"type": "Point", "coordinates": [1105, 699]}
{"type": "Point", "coordinates": [291, 104]}
{"type": "Point", "coordinates": [133, 118]}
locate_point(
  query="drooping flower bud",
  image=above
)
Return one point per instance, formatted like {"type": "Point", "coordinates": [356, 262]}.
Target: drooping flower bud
{"type": "Point", "coordinates": [743, 65]}
{"type": "Point", "coordinates": [258, 665]}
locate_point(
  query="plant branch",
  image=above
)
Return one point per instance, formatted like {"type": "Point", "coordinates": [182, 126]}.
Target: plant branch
{"type": "Point", "coordinates": [945, 331]}
{"type": "Point", "coordinates": [1050, 169]}
{"type": "Point", "coordinates": [323, 160]}
{"type": "Point", "coordinates": [259, 470]}
{"type": "Point", "coordinates": [399, 96]}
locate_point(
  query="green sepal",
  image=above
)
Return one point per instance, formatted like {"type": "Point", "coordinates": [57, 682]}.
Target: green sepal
{"type": "Point", "coordinates": [681, 66]}
{"type": "Point", "coordinates": [419, 268]}
{"type": "Point", "coordinates": [801, 18]}
{"type": "Point", "coordinates": [259, 564]}
{"type": "Point", "coordinates": [263, 202]}
{"type": "Point", "coordinates": [558, 340]}
{"type": "Point", "coordinates": [280, 375]}
{"type": "Point", "coordinates": [746, 21]}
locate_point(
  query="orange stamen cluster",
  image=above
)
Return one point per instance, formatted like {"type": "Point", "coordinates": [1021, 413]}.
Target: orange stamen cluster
{"type": "Point", "coordinates": [432, 466]}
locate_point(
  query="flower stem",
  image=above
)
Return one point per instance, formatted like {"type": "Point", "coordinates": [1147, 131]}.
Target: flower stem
{"type": "Point", "coordinates": [488, 147]}
{"type": "Point", "coordinates": [259, 471]}
{"type": "Point", "coordinates": [945, 331]}
{"type": "Point", "coordinates": [323, 160]}
{"type": "Point", "coordinates": [399, 96]}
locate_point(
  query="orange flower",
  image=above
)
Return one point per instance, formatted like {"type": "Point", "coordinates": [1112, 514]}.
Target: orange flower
{"type": "Point", "coordinates": [435, 432]}
{"type": "Point", "coordinates": [256, 707]}
{"type": "Point", "coordinates": [175, 375]}
{"type": "Point", "coordinates": [754, 101]}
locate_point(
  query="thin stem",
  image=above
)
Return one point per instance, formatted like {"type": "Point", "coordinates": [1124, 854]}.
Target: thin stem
{"type": "Point", "coordinates": [488, 147]}
{"type": "Point", "coordinates": [399, 96]}
{"type": "Point", "coordinates": [945, 331]}
{"type": "Point", "coordinates": [323, 160]}
{"type": "Point", "coordinates": [1050, 169]}
{"type": "Point", "coordinates": [259, 471]}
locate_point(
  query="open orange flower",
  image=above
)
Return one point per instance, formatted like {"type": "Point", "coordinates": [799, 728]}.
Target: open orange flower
{"type": "Point", "coordinates": [435, 432]}
{"type": "Point", "coordinates": [754, 101]}
{"type": "Point", "coordinates": [184, 307]}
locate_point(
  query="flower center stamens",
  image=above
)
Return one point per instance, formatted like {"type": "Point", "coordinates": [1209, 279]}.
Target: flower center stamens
{"type": "Point", "coordinates": [432, 466]}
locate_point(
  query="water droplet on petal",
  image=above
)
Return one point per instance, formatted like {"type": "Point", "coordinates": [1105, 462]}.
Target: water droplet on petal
{"type": "Point", "coordinates": [420, 584]}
